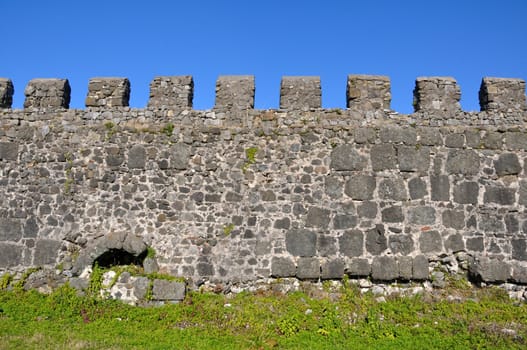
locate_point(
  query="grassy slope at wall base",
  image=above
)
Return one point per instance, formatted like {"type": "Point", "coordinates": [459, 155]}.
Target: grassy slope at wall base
{"type": "Point", "coordinates": [329, 319]}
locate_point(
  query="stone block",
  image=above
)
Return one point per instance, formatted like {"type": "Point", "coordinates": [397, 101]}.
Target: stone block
{"type": "Point", "coordinates": [6, 93]}
{"type": "Point", "coordinates": [519, 249]}
{"type": "Point", "coordinates": [405, 267]}
{"type": "Point", "coordinates": [392, 214]}
{"type": "Point", "coordinates": [205, 268]}
{"type": "Point", "coordinates": [420, 269]}
{"type": "Point", "coordinates": [453, 219]}
{"type": "Point", "coordinates": [235, 92]}
{"type": "Point", "coordinates": [317, 217]}
{"type": "Point", "coordinates": [301, 242]}
{"type": "Point", "coordinates": [437, 94]}
{"type": "Point", "coordinates": [466, 193]}
{"type": "Point", "coordinates": [140, 287]}
{"type": "Point", "coordinates": [417, 188]}
{"type": "Point", "coordinates": [172, 92]}
{"type": "Point", "coordinates": [430, 242]}
{"type": "Point", "coordinates": [282, 224]}
{"type": "Point", "coordinates": [440, 187]}
{"type": "Point", "coordinates": [455, 140]}
{"type": "Point", "coordinates": [308, 268]}
{"type": "Point", "coordinates": [344, 221]}
{"type": "Point", "coordinates": [46, 252]}
{"type": "Point", "coordinates": [351, 243]}
{"type": "Point", "coordinates": [502, 95]}
{"type": "Point", "coordinates": [168, 290]}
{"type": "Point", "coordinates": [454, 243]}
{"type": "Point", "coordinates": [413, 159]}
{"type": "Point", "coordinates": [333, 186]}
{"type": "Point", "coordinates": [137, 157]}
{"type": "Point", "coordinates": [180, 156]}
{"type": "Point", "coordinates": [368, 92]}
{"type": "Point", "coordinates": [383, 157]}
{"type": "Point", "coordinates": [516, 140]}
{"type": "Point", "coordinates": [48, 94]}
{"type": "Point", "coordinates": [282, 267]}
{"type": "Point", "coordinates": [522, 200]}
{"type": "Point", "coordinates": [393, 189]}
{"type": "Point", "coordinates": [401, 244]}
{"type": "Point", "coordinates": [346, 157]}
{"type": "Point", "coordinates": [429, 136]}
{"type": "Point", "coordinates": [376, 241]}
{"type": "Point", "coordinates": [519, 273]}
{"type": "Point", "coordinates": [108, 92]}
{"type": "Point", "coordinates": [475, 244]}
{"type": "Point", "coordinates": [367, 210]}
{"type": "Point", "coordinates": [8, 150]}
{"type": "Point", "coordinates": [10, 255]}
{"type": "Point", "coordinates": [359, 268]}
{"type": "Point", "coordinates": [464, 162]}
{"type": "Point", "coordinates": [490, 270]}
{"type": "Point", "coordinates": [10, 230]}
{"type": "Point", "coordinates": [300, 93]}
{"type": "Point", "coordinates": [398, 135]}
{"type": "Point", "coordinates": [360, 187]}
{"type": "Point", "coordinates": [422, 215]}
{"type": "Point", "coordinates": [333, 269]}
{"type": "Point", "coordinates": [507, 164]}
{"type": "Point", "coordinates": [326, 245]}
{"type": "Point", "coordinates": [384, 268]}
{"type": "Point", "coordinates": [499, 195]}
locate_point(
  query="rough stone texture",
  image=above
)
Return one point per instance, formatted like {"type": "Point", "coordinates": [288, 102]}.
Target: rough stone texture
{"type": "Point", "coordinates": [352, 243]}
{"type": "Point", "coordinates": [393, 189]}
{"type": "Point", "coordinates": [430, 241]}
{"type": "Point", "coordinates": [50, 94]}
{"type": "Point", "coordinates": [490, 270]}
{"type": "Point", "coordinates": [333, 269]}
{"type": "Point", "coordinates": [422, 215]}
{"type": "Point", "coordinates": [301, 93]}
{"type": "Point", "coordinates": [345, 157]}
{"type": "Point", "coordinates": [46, 252]}
{"type": "Point", "coordinates": [359, 268]}
{"type": "Point", "coordinates": [466, 193]}
{"type": "Point", "coordinates": [465, 162]}
{"type": "Point", "coordinates": [108, 92]}
{"type": "Point", "coordinates": [10, 255]}
{"type": "Point", "coordinates": [437, 94]}
{"type": "Point", "coordinates": [384, 268]}
{"type": "Point", "coordinates": [308, 268]}
{"type": "Point", "coordinates": [507, 164]}
{"type": "Point", "coordinates": [235, 92]}
{"type": "Point", "coordinates": [413, 159]}
{"type": "Point", "coordinates": [6, 93]}
{"type": "Point", "coordinates": [440, 186]}
{"type": "Point", "coordinates": [301, 242]}
{"type": "Point", "coordinates": [383, 157]}
{"type": "Point", "coordinates": [283, 267]}
{"type": "Point", "coordinates": [360, 187]}
{"type": "Point", "coordinates": [376, 240]}
{"type": "Point", "coordinates": [420, 268]}
{"type": "Point", "coordinates": [504, 95]}
{"type": "Point", "coordinates": [168, 290]}
{"type": "Point", "coordinates": [368, 92]}
{"type": "Point", "coordinates": [172, 92]}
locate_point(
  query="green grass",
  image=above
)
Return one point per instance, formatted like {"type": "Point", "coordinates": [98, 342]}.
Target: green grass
{"type": "Point", "coordinates": [63, 320]}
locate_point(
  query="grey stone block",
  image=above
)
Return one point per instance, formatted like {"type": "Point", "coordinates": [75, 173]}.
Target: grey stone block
{"type": "Point", "coordinates": [344, 221]}
{"type": "Point", "coordinates": [140, 287]}
{"type": "Point", "coordinates": [464, 162]}
{"type": "Point", "coordinates": [317, 217]}
{"type": "Point", "coordinates": [360, 187]}
{"type": "Point", "coordinates": [368, 92]}
{"type": "Point", "coordinates": [301, 242]}
{"type": "Point", "coordinates": [502, 94]}
{"type": "Point", "coordinates": [522, 199]}
{"type": "Point", "coordinates": [168, 290]}
{"type": "Point", "coordinates": [301, 93]}
{"type": "Point", "coordinates": [346, 157]}
{"type": "Point", "coordinates": [8, 150]}
{"type": "Point", "coordinates": [10, 230]}
{"type": "Point", "coordinates": [430, 242]}
{"type": "Point", "coordinates": [420, 269]}
{"type": "Point", "coordinates": [454, 243]}
{"type": "Point", "coordinates": [383, 157]}
{"type": "Point", "coordinates": [455, 140]}
{"type": "Point", "coordinates": [283, 267]}
{"type": "Point", "coordinates": [437, 94]}
{"type": "Point", "coordinates": [405, 267]}
{"type": "Point", "coordinates": [333, 269]}
{"type": "Point", "coordinates": [359, 268]}
{"type": "Point", "coordinates": [46, 252]}
{"type": "Point", "coordinates": [47, 94]}
{"type": "Point", "coordinates": [516, 140]}
{"type": "Point", "coordinates": [430, 137]}
{"type": "Point", "coordinates": [398, 135]}
{"type": "Point", "coordinates": [308, 268]}
{"type": "Point", "coordinates": [507, 164]}
{"type": "Point", "coordinates": [519, 273]}
{"type": "Point", "coordinates": [466, 193]}
{"type": "Point", "coordinates": [376, 241]}
{"type": "Point", "coordinates": [351, 243]}
{"type": "Point", "coordinates": [401, 244]}
{"type": "Point", "coordinates": [392, 214]}
{"type": "Point", "coordinates": [393, 189]}
{"type": "Point", "coordinates": [365, 135]}
{"type": "Point", "coordinates": [519, 249]}
{"type": "Point", "coordinates": [490, 270]}
{"type": "Point", "coordinates": [180, 156]}
{"type": "Point", "coordinates": [367, 210]}
{"type": "Point", "coordinates": [475, 244]}
{"type": "Point", "coordinates": [499, 195]}
{"type": "Point", "coordinates": [453, 219]}
{"type": "Point", "coordinates": [205, 269]}
{"type": "Point", "coordinates": [491, 223]}
{"type": "Point", "coordinates": [10, 255]}
{"type": "Point", "coordinates": [422, 215]}
{"type": "Point", "coordinates": [31, 227]}
{"type": "Point", "coordinates": [171, 91]}
{"type": "Point", "coordinates": [150, 265]}
{"type": "Point", "coordinates": [440, 187]}
{"type": "Point", "coordinates": [412, 158]}
{"type": "Point", "coordinates": [417, 188]}
{"type": "Point", "coordinates": [384, 268]}
{"type": "Point", "coordinates": [284, 223]}
{"type": "Point", "coordinates": [137, 157]}
{"type": "Point", "coordinates": [108, 92]}
{"type": "Point", "coordinates": [334, 186]}
{"type": "Point", "coordinates": [6, 93]}
{"type": "Point", "coordinates": [326, 245]}
{"type": "Point", "coordinates": [235, 92]}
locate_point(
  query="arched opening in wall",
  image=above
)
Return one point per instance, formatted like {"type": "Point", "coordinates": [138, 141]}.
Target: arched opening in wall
{"type": "Point", "coordinates": [119, 257]}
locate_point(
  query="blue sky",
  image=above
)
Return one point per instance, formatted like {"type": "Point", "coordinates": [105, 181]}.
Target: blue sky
{"type": "Point", "coordinates": [79, 39]}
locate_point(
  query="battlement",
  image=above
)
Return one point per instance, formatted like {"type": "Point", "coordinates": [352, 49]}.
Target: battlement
{"type": "Point", "coordinates": [440, 95]}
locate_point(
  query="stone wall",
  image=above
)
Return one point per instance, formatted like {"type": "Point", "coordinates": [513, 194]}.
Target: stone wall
{"type": "Point", "coordinates": [234, 195]}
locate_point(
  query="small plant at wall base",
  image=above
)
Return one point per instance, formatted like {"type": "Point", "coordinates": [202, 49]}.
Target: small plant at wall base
{"type": "Point", "coordinates": [168, 129]}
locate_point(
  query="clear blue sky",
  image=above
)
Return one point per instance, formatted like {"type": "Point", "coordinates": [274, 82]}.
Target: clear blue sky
{"type": "Point", "coordinates": [79, 39]}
